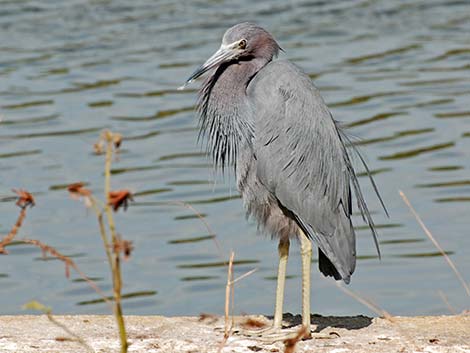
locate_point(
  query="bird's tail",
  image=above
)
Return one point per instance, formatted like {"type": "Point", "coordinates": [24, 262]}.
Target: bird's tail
{"type": "Point", "coordinates": [326, 267]}
{"type": "Point", "coordinates": [339, 251]}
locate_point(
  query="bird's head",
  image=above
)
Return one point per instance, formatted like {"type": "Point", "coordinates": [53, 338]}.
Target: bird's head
{"type": "Point", "coordinates": [242, 42]}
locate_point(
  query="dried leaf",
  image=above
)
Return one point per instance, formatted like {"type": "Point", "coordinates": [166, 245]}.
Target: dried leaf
{"type": "Point", "coordinates": [98, 148]}
{"type": "Point", "coordinates": [120, 198]}
{"type": "Point", "coordinates": [117, 140]}
{"type": "Point", "coordinates": [290, 343]}
{"type": "Point", "coordinates": [124, 246]}
{"type": "Point", "coordinates": [251, 323]}
{"type": "Point", "coordinates": [78, 189]}
{"type": "Point", "coordinates": [35, 305]}
{"type": "Point", "coordinates": [25, 199]}
{"type": "Point", "coordinates": [211, 318]}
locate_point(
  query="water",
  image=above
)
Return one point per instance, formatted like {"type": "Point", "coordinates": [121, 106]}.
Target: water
{"type": "Point", "coordinates": [396, 72]}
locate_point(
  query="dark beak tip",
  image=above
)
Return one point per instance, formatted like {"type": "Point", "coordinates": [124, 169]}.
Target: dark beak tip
{"type": "Point", "coordinates": [215, 60]}
{"type": "Point", "coordinates": [183, 86]}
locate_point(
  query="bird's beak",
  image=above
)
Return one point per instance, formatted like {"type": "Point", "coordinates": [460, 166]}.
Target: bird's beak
{"type": "Point", "coordinates": [225, 53]}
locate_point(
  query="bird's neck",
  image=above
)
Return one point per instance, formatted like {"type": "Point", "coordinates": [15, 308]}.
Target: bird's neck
{"type": "Point", "coordinates": [225, 111]}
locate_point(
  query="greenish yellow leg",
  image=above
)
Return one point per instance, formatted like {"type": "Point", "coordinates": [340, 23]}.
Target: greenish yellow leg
{"type": "Point", "coordinates": [306, 254]}
{"type": "Point", "coordinates": [275, 332]}
{"type": "Point", "coordinates": [283, 250]}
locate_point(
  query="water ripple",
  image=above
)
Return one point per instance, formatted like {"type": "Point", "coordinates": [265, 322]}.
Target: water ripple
{"type": "Point", "coordinates": [398, 72]}
{"type": "Point", "coordinates": [418, 151]}
{"type": "Point", "coordinates": [384, 54]}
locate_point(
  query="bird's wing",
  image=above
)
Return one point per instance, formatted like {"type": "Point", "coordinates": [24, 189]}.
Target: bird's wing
{"type": "Point", "coordinates": [302, 160]}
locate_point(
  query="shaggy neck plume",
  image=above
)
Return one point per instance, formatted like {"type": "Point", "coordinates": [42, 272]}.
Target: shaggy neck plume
{"type": "Point", "coordinates": [222, 107]}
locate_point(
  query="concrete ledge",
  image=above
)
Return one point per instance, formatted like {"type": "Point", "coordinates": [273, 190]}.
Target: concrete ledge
{"type": "Point", "coordinates": [192, 334]}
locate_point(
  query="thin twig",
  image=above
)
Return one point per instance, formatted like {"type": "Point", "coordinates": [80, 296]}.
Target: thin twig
{"type": "Point", "coordinates": [69, 263]}
{"type": "Point", "coordinates": [67, 330]}
{"type": "Point", "coordinates": [376, 309]}
{"type": "Point", "coordinates": [436, 244]}
{"type": "Point", "coordinates": [227, 295]}
{"type": "Point", "coordinates": [24, 200]}
{"type": "Point", "coordinates": [232, 302]}
{"type": "Point", "coordinates": [34, 305]}
{"type": "Point", "coordinates": [112, 245]}
{"type": "Point", "coordinates": [206, 224]}
{"type": "Point", "coordinates": [115, 264]}
{"type": "Point", "coordinates": [14, 230]}
{"type": "Point", "coordinates": [78, 191]}
{"type": "Point", "coordinates": [230, 299]}
{"type": "Point", "coordinates": [244, 275]}
{"type": "Point", "coordinates": [108, 137]}
{"type": "Point", "coordinates": [446, 302]}
{"type": "Point", "coordinates": [228, 290]}
{"type": "Point", "coordinates": [104, 238]}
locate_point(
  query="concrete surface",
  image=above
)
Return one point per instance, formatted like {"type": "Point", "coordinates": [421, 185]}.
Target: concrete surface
{"type": "Point", "coordinates": [433, 334]}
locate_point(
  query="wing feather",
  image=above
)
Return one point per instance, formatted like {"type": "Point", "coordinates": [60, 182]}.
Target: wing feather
{"type": "Point", "coordinates": [302, 160]}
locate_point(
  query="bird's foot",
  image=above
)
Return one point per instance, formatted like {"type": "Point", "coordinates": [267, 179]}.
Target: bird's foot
{"type": "Point", "coordinates": [275, 334]}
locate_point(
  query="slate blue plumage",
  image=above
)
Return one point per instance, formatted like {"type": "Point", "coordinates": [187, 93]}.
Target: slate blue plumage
{"type": "Point", "coordinates": [267, 119]}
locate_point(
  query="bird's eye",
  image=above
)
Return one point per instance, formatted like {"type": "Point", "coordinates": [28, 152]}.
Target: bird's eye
{"type": "Point", "coordinates": [242, 44]}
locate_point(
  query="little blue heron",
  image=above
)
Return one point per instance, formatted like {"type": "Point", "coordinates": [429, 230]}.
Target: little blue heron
{"type": "Point", "coordinates": [267, 120]}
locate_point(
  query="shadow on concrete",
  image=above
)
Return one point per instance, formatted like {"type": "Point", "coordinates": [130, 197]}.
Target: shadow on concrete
{"type": "Point", "coordinates": [322, 322]}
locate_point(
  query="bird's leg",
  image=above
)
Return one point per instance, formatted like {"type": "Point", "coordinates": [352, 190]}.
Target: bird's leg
{"type": "Point", "coordinates": [306, 254]}
{"type": "Point", "coordinates": [273, 332]}
{"type": "Point", "coordinates": [283, 250]}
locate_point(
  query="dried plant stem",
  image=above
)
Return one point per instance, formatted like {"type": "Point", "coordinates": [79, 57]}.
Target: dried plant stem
{"type": "Point", "coordinates": [435, 242]}
{"type": "Point", "coordinates": [228, 288]}
{"type": "Point", "coordinates": [69, 263]}
{"type": "Point", "coordinates": [366, 302]}
{"type": "Point", "coordinates": [446, 302]}
{"type": "Point", "coordinates": [244, 275]}
{"type": "Point", "coordinates": [229, 299]}
{"type": "Point", "coordinates": [107, 183]}
{"type": "Point", "coordinates": [115, 255]}
{"type": "Point", "coordinates": [206, 224]}
{"type": "Point", "coordinates": [67, 330]}
{"type": "Point", "coordinates": [375, 308]}
{"type": "Point", "coordinates": [104, 237]}
{"type": "Point", "coordinates": [35, 305]}
{"type": "Point", "coordinates": [14, 230]}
